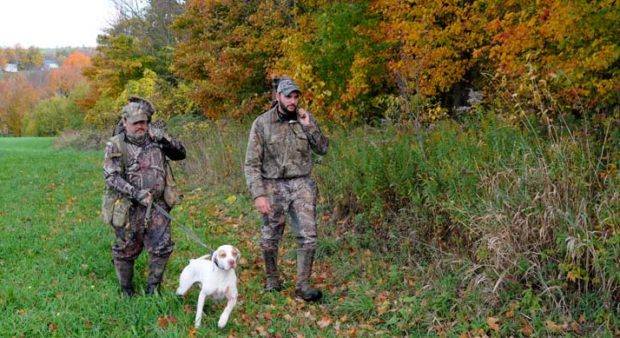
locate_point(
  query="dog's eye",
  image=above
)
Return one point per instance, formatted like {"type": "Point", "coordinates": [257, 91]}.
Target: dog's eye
{"type": "Point", "coordinates": [222, 254]}
{"type": "Point", "coordinates": [235, 253]}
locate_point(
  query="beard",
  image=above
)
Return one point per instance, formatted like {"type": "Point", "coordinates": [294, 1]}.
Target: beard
{"type": "Point", "coordinates": [137, 139]}
{"type": "Point", "coordinates": [286, 111]}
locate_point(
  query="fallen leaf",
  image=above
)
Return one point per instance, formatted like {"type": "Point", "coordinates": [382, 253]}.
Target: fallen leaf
{"type": "Point", "coordinates": [164, 321]}
{"type": "Point", "coordinates": [553, 327]}
{"type": "Point", "coordinates": [493, 323]}
{"type": "Point", "coordinates": [261, 330]}
{"type": "Point", "coordinates": [231, 199]}
{"type": "Point", "coordinates": [526, 330]}
{"type": "Point", "coordinates": [582, 319]}
{"type": "Point", "coordinates": [324, 322]}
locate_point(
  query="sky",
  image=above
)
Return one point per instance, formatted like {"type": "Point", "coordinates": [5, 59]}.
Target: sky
{"type": "Point", "coordinates": [53, 23]}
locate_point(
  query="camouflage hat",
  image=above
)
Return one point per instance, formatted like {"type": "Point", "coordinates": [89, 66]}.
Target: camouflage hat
{"type": "Point", "coordinates": [149, 108]}
{"type": "Point", "coordinates": [287, 86]}
{"type": "Point", "coordinates": [135, 112]}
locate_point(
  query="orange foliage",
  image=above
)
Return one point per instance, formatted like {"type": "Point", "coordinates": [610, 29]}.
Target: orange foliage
{"type": "Point", "coordinates": [17, 96]}
{"type": "Point", "coordinates": [64, 79]}
{"type": "Point", "coordinates": [556, 55]}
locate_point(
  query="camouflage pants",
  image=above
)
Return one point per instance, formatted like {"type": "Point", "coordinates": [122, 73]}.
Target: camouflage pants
{"type": "Point", "coordinates": [155, 236]}
{"type": "Point", "coordinates": [297, 197]}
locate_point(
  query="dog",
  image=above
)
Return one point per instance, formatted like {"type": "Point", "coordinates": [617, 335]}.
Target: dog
{"type": "Point", "coordinates": [217, 279]}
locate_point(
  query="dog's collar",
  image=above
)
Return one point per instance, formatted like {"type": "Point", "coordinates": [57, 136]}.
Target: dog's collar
{"type": "Point", "coordinates": [215, 260]}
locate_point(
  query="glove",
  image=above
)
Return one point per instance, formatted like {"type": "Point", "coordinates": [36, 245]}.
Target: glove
{"type": "Point", "coordinates": [144, 197]}
{"type": "Point", "coordinates": [157, 133]}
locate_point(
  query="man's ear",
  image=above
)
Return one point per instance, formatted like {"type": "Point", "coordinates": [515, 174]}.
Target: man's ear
{"type": "Point", "coordinates": [125, 122]}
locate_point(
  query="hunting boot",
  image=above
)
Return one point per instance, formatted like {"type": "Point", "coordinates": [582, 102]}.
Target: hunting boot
{"type": "Point", "coordinates": [272, 280]}
{"type": "Point", "coordinates": [305, 258]}
{"type": "Point", "coordinates": [124, 272]}
{"type": "Point", "coordinates": [156, 274]}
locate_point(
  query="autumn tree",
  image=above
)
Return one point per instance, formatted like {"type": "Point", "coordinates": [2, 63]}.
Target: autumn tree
{"type": "Point", "coordinates": [63, 80]}
{"type": "Point", "coordinates": [218, 53]}
{"type": "Point", "coordinates": [3, 59]}
{"type": "Point", "coordinates": [17, 97]}
{"type": "Point", "coordinates": [26, 59]}
{"type": "Point", "coordinates": [555, 56]}
{"type": "Point", "coordinates": [330, 51]}
{"type": "Point", "coordinates": [230, 50]}
{"type": "Point", "coordinates": [137, 43]}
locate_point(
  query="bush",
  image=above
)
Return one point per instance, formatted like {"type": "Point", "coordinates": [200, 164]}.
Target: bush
{"type": "Point", "coordinates": [85, 139]}
{"type": "Point", "coordinates": [52, 116]}
{"type": "Point", "coordinates": [521, 207]}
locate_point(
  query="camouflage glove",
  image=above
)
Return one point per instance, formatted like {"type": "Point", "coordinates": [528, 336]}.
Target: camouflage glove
{"type": "Point", "coordinates": [157, 133]}
{"type": "Point", "coordinates": [144, 197]}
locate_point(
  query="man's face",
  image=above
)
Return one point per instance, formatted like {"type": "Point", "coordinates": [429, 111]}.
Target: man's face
{"type": "Point", "coordinates": [288, 103]}
{"type": "Point", "coordinates": [137, 129]}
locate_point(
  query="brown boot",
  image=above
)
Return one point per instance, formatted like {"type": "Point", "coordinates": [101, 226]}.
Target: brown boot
{"type": "Point", "coordinates": [272, 280]}
{"type": "Point", "coordinates": [305, 258]}
{"type": "Point", "coordinates": [124, 272]}
{"type": "Point", "coordinates": [157, 265]}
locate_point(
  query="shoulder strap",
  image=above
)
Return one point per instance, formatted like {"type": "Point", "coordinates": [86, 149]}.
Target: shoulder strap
{"type": "Point", "coordinates": [119, 142]}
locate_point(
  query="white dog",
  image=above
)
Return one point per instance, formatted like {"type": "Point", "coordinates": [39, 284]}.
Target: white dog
{"type": "Point", "coordinates": [217, 279]}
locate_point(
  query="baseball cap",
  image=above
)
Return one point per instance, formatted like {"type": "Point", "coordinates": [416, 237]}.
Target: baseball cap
{"type": "Point", "coordinates": [287, 86]}
{"type": "Point", "coordinates": [134, 112]}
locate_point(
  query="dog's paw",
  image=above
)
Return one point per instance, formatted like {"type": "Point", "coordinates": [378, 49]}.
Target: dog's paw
{"type": "Point", "coordinates": [221, 323]}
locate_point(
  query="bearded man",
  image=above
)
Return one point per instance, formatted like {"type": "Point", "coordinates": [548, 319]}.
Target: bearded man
{"type": "Point", "coordinates": [277, 168]}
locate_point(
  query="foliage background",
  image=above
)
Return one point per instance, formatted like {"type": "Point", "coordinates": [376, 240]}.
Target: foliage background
{"type": "Point", "coordinates": [482, 138]}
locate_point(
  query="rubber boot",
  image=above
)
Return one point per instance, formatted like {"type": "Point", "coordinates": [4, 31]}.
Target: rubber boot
{"type": "Point", "coordinates": [272, 280]}
{"type": "Point", "coordinates": [305, 258]}
{"type": "Point", "coordinates": [124, 272]}
{"type": "Point", "coordinates": [157, 265]}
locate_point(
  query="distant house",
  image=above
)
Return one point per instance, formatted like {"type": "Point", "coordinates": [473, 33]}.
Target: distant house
{"type": "Point", "coordinates": [49, 64]}
{"type": "Point", "coordinates": [10, 68]}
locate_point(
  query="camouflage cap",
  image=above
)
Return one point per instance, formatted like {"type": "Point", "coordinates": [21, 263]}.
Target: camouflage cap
{"type": "Point", "coordinates": [287, 86]}
{"type": "Point", "coordinates": [149, 108]}
{"type": "Point", "coordinates": [134, 112]}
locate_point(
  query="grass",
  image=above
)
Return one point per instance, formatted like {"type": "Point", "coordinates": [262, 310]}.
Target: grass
{"type": "Point", "coordinates": [57, 279]}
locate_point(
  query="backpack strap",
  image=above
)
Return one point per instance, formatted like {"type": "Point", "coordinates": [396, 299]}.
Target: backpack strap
{"type": "Point", "coordinates": [119, 142]}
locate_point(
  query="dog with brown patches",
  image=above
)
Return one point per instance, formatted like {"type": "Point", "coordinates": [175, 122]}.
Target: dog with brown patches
{"type": "Point", "coordinates": [217, 279]}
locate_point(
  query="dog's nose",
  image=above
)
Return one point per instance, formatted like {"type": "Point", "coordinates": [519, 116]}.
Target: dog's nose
{"type": "Point", "coordinates": [232, 263]}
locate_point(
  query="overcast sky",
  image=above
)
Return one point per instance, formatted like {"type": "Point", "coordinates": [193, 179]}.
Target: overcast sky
{"type": "Point", "coordinates": [53, 23]}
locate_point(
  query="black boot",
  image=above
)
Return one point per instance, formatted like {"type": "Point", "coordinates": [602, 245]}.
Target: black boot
{"type": "Point", "coordinates": [272, 280]}
{"type": "Point", "coordinates": [124, 272]}
{"type": "Point", "coordinates": [157, 265]}
{"type": "Point", "coordinates": [305, 258]}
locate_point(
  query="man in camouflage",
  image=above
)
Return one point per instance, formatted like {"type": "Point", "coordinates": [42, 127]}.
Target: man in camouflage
{"type": "Point", "coordinates": [278, 163]}
{"type": "Point", "coordinates": [141, 180]}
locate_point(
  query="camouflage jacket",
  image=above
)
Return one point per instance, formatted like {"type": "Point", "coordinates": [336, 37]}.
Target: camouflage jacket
{"type": "Point", "coordinates": [280, 149]}
{"type": "Point", "coordinates": [144, 167]}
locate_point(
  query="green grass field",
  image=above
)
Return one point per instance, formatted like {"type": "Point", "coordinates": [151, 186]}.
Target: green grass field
{"type": "Point", "coordinates": [57, 279]}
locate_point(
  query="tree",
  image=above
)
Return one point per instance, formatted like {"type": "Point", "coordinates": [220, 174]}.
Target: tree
{"type": "Point", "coordinates": [137, 43]}
{"type": "Point", "coordinates": [555, 56]}
{"type": "Point", "coordinates": [216, 54]}
{"type": "Point", "coordinates": [17, 97]}
{"type": "Point", "coordinates": [63, 80]}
